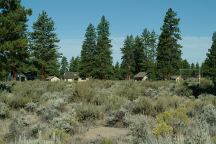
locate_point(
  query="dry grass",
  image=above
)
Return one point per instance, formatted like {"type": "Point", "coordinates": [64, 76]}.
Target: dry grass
{"type": "Point", "coordinates": [77, 112]}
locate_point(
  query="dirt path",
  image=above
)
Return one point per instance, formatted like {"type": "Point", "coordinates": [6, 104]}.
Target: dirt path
{"type": "Point", "coordinates": [94, 134]}
{"type": "Point", "coordinates": [105, 132]}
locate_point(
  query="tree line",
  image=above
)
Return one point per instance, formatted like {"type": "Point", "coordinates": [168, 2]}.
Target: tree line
{"type": "Point", "coordinates": [37, 51]}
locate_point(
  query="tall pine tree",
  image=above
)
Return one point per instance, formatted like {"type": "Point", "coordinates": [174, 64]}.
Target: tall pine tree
{"type": "Point", "coordinates": [74, 64]}
{"type": "Point", "coordinates": [185, 65]}
{"type": "Point", "coordinates": [128, 64]}
{"type": "Point", "coordinates": [117, 72]}
{"type": "Point", "coordinates": [103, 58]}
{"type": "Point", "coordinates": [139, 55]}
{"type": "Point", "coordinates": [87, 63]}
{"type": "Point", "coordinates": [169, 50]}
{"type": "Point", "coordinates": [13, 38]}
{"type": "Point", "coordinates": [149, 40]}
{"type": "Point", "coordinates": [193, 71]}
{"type": "Point", "coordinates": [150, 44]}
{"type": "Point", "coordinates": [64, 66]}
{"type": "Point", "coordinates": [71, 64]}
{"type": "Point", "coordinates": [44, 46]}
{"type": "Point", "coordinates": [210, 62]}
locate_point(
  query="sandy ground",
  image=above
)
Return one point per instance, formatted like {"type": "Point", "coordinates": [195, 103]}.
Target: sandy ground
{"type": "Point", "coordinates": [105, 132]}
{"type": "Point", "coordinates": [101, 132]}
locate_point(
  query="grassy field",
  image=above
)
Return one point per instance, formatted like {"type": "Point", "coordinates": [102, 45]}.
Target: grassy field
{"type": "Point", "coordinates": [107, 112]}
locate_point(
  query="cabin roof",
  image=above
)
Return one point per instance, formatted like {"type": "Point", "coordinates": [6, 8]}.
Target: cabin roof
{"type": "Point", "coordinates": [71, 75]}
{"type": "Point", "coordinates": [140, 75]}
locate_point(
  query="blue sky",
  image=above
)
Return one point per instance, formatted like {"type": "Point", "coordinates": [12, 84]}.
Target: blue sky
{"type": "Point", "coordinates": [129, 17]}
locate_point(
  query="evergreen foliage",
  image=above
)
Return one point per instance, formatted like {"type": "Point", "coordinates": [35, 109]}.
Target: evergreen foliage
{"type": "Point", "coordinates": [210, 62]}
{"type": "Point", "coordinates": [139, 55]}
{"type": "Point", "coordinates": [128, 63]}
{"type": "Point", "coordinates": [169, 50]}
{"type": "Point", "coordinates": [44, 48]}
{"type": "Point", "coordinates": [74, 64]}
{"type": "Point", "coordinates": [64, 66]}
{"type": "Point", "coordinates": [150, 45]}
{"type": "Point", "coordinates": [185, 65]}
{"type": "Point", "coordinates": [117, 72]}
{"type": "Point", "coordinates": [87, 62]}
{"type": "Point", "coordinates": [103, 58]}
{"type": "Point", "coordinates": [13, 38]}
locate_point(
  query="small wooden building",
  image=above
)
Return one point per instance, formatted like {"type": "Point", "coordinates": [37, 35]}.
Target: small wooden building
{"type": "Point", "coordinates": [21, 77]}
{"type": "Point", "coordinates": [52, 79]}
{"type": "Point", "coordinates": [176, 78]}
{"type": "Point", "coordinates": [141, 76]}
{"type": "Point", "coordinates": [72, 76]}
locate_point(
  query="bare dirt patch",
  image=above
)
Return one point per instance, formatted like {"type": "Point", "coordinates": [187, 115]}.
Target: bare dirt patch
{"type": "Point", "coordinates": [105, 132]}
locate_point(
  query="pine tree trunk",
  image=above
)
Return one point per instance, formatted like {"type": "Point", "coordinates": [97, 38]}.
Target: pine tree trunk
{"type": "Point", "coordinates": [128, 74]}
{"type": "Point", "coordinates": [43, 74]}
{"type": "Point", "coordinates": [14, 75]}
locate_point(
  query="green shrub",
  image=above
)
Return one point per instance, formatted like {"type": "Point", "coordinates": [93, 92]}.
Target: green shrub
{"type": "Point", "coordinates": [106, 141]}
{"type": "Point", "coordinates": [117, 119]}
{"type": "Point", "coordinates": [183, 90]}
{"type": "Point", "coordinates": [83, 92]}
{"type": "Point", "coordinates": [197, 133]}
{"type": "Point", "coordinates": [171, 121]}
{"type": "Point", "coordinates": [6, 87]}
{"type": "Point", "coordinates": [213, 139]}
{"type": "Point", "coordinates": [155, 84]}
{"type": "Point", "coordinates": [31, 107]}
{"type": "Point", "coordinates": [209, 114]}
{"type": "Point", "coordinates": [113, 103]}
{"type": "Point", "coordinates": [15, 101]}
{"type": "Point", "coordinates": [206, 84]}
{"type": "Point", "coordinates": [209, 99]}
{"type": "Point", "coordinates": [66, 123]}
{"type": "Point", "coordinates": [128, 90]}
{"type": "Point", "coordinates": [143, 105]}
{"type": "Point", "coordinates": [55, 87]}
{"type": "Point", "coordinates": [141, 129]}
{"type": "Point", "coordinates": [162, 129]}
{"type": "Point", "coordinates": [85, 112]}
{"type": "Point", "coordinates": [4, 110]}
{"type": "Point", "coordinates": [47, 113]}
{"type": "Point", "coordinates": [17, 128]}
{"type": "Point", "coordinates": [161, 103]}
{"type": "Point", "coordinates": [2, 141]}
{"type": "Point", "coordinates": [56, 136]}
{"type": "Point", "coordinates": [18, 101]}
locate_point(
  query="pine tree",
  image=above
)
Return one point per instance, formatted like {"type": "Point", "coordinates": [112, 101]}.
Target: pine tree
{"type": "Point", "coordinates": [139, 55]}
{"type": "Point", "coordinates": [64, 66]}
{"type": "Point", "coordinates": [13, 38]}
{"type": "Point", "coordinates": [193, 72]}
{"type": "Point", "coordinates": [185, 65]}
{"type": "Point", "coordinates": [128, 64]}
{"type": "Point", "coordinates": [103, 61]}
{"type": "Point", "coordinates": [169, 51]}
{"type": "Point", "coordinates": [149, 40]}
{"type": "Point", "coordinates": [197, 66]}
{"type": "Point", "coordinates": [87, 63]}
{"type": "Point", "coordinates": [44, 46]}
{"type": "Point", "coordinates": [192, 66]}
{"type": "Point", "coordinates": [210, 62]}
{"type": "Point", "coordinates": [74, 64]}
{"type": "Point", "coordinates": [117, 72]}
{"type": "Point", "coordinates": [71, 64]}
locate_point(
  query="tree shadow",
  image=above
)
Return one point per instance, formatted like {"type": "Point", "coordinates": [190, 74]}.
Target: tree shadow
{"type": "Point", "coordinates": [198, 90]}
